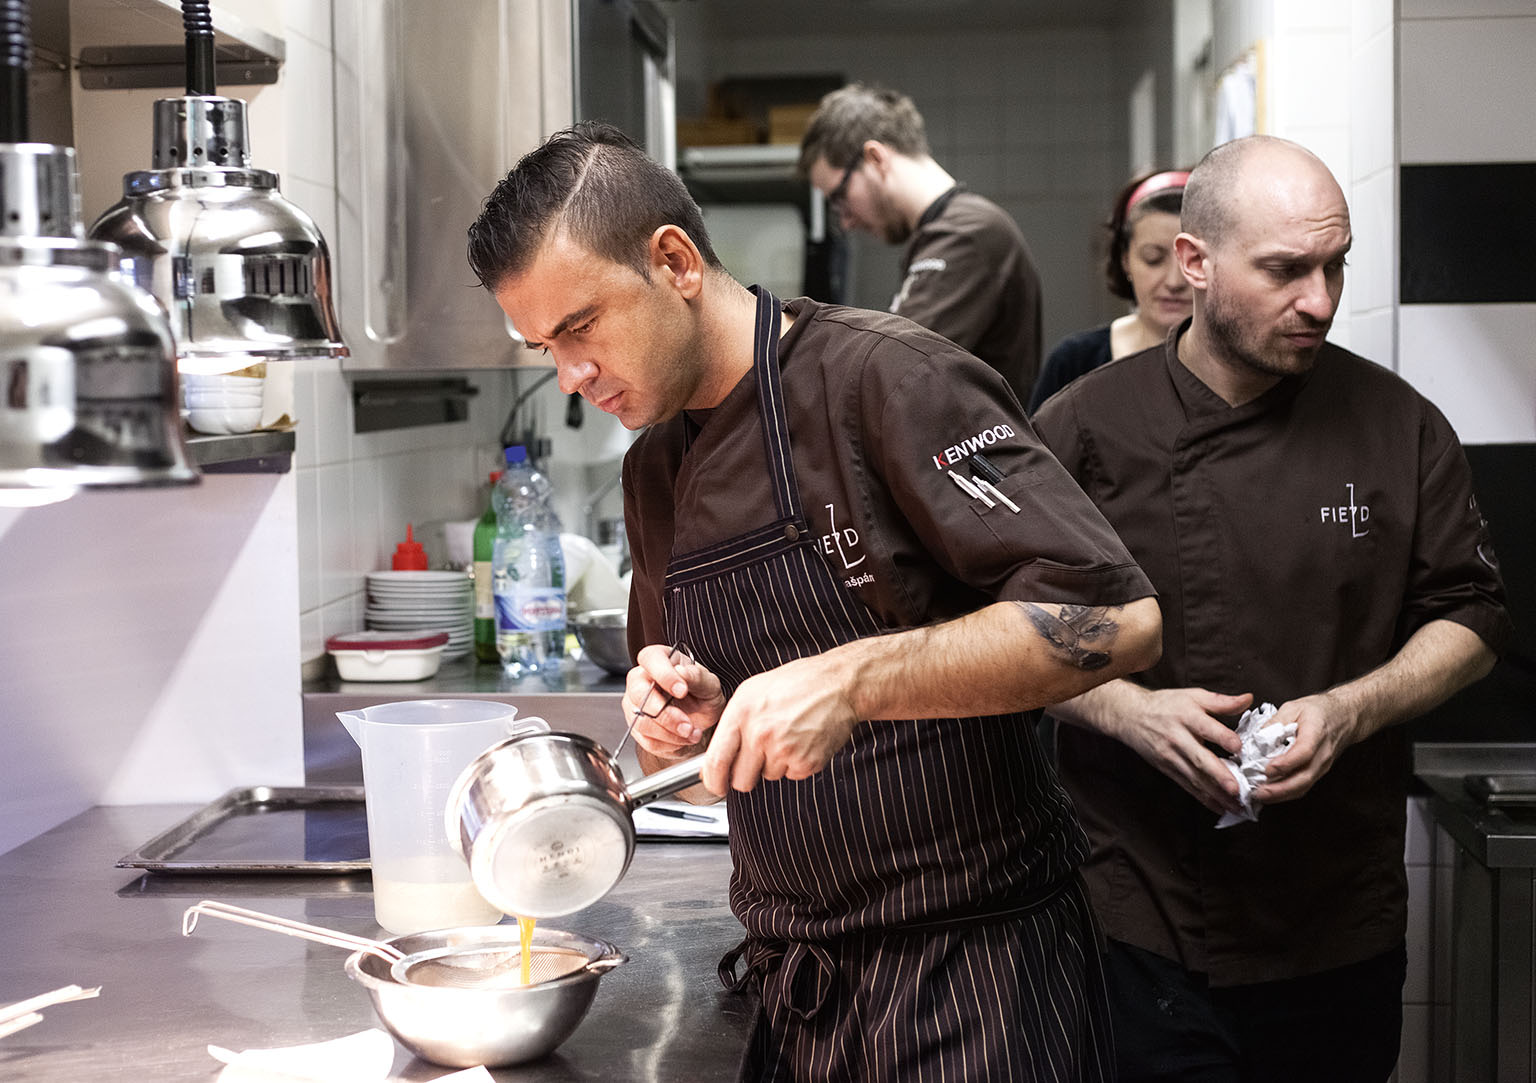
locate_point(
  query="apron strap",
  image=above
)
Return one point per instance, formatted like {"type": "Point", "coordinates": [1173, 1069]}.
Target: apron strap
{"type": "Point", "coordinates": [770, 400]}
{"type": "Point", "coordinates": [802, 973]}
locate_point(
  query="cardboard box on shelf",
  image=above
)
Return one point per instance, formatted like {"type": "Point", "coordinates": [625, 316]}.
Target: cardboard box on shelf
{"type": "Point", "coordinates": [786, 123]}
{"type": "Point", "coordinates": [715, 132]}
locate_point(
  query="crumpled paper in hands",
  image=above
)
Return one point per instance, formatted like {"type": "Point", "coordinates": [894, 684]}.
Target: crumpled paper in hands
{"type": "Point", "coordinates": [1262, 741]}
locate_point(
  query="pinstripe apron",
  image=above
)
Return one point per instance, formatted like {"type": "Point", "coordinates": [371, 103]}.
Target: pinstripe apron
{"type": "Point", "coordinates": [912, 910]}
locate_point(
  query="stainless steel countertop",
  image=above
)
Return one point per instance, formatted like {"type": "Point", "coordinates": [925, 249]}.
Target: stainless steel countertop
{"type": "Point", "coordinates": [71, 917]}
{"type": "Point", "coordinates": [1499, 838]}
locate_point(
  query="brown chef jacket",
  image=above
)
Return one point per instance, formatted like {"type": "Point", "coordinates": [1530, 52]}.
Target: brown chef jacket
{"type": "Point", "coordinates": [967, 274]}
{"type": "Point", "coordinates": [876, 423]}
{"type": "Point", "coordinates": [1296, 542]}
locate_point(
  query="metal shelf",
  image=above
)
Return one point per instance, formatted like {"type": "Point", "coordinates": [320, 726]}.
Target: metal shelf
{"type": "Point", "coordinates": [243, 453]}
{"type": "Point", "coordinates": [116, 44]}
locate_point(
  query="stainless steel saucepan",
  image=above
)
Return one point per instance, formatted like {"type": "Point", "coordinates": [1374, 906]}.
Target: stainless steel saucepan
{"type": "Point", "coordinates": [545, 820]}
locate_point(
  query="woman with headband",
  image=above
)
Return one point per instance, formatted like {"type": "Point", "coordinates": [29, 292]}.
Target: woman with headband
{"type": "Point", "coordinates": [1139, 267]}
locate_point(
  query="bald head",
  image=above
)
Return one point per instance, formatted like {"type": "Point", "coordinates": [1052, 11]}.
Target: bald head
{"type": "Point", "coordinates": [1241, 176]}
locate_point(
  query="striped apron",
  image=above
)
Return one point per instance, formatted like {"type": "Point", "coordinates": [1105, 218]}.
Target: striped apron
{"type": "Point", "coordinates": [912, 910]}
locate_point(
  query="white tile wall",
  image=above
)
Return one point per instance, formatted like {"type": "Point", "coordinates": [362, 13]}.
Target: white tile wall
{"type": "Point", "coordinates": [1372, 271]}
{"type": "Point", "coordinates": [1475, 363]}
{"type": "Point", "coordinates": [1372, 121]}
{"type": "Point", "coordinates": [1467, 86]}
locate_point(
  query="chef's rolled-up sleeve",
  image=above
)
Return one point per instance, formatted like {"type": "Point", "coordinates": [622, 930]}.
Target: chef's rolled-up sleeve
{"type": "Point", "coordinates": [1454, 573]}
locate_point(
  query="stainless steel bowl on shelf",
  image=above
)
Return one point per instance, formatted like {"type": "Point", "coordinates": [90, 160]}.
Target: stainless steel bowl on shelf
{"type": "Point", "coordinates": [603, 635]}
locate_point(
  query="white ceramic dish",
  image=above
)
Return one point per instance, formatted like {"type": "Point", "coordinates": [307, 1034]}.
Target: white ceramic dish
{"type": "Point", "coordinates": [387, 656]}
{"type": "Point", "coordinates": [223, 380]}
{"type": "Point", "coordinates": [218, 400]}
{"type": "Point", "coordinates": [223, 422]}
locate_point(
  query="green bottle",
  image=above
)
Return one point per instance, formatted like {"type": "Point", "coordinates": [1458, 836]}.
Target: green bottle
{"type": "Point", "coordinates": [485, 601]}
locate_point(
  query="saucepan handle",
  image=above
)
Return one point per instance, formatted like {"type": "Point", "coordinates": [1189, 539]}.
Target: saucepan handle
{"type": "Point", "coordinates": [666, 782]}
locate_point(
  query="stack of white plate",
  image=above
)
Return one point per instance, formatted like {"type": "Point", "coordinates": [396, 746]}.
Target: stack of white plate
{"type": "Point", "coordinates": [424, 601]}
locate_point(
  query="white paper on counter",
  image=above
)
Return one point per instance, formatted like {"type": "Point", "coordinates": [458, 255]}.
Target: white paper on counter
{"type": "Point", "coordinates": [364, 1057]}
{"type": "Point", "coordinates": [680, 820]}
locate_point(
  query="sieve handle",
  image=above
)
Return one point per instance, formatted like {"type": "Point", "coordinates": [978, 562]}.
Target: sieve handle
{"type": "Point", "coordinates": [256, 919]}
{"type": "Point", "coordinates": [607, 962]}
{"type": "Point", "coordinates": [666, 782]}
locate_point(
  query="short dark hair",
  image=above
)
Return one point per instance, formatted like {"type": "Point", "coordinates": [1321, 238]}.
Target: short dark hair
{"type": "Point", "coordinates": [1207, 211]}
{"type": "Point", "coordinates": [1122, 221]}
{"type": "Point", "coordinates": [592, 181]}
{"type": "Point", "coordinates": [850, 116]}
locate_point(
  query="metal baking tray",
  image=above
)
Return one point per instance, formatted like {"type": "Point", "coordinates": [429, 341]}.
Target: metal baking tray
{"type": "Point", "coordinates": [265, 829]}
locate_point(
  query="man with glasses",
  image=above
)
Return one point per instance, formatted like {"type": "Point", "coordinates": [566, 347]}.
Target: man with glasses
{"type": "Point", "coordinates": [966, 271]}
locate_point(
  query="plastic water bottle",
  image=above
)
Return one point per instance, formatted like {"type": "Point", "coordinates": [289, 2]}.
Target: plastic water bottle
{"type": "Point", "coordinates": [527, 572]}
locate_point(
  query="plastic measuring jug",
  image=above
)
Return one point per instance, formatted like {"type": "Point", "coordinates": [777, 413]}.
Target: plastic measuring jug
{"type": "Point", "coordinates": [412, 753]}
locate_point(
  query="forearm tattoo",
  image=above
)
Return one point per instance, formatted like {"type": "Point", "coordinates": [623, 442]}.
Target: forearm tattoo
{"type": "Point", "coordinates": [1082, 633]}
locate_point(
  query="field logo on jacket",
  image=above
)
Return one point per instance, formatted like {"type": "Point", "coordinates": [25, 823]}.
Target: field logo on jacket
{"type": "Point", "coordinates": [971, 445]}
{"type": "Point", "coordinates": [841, 541]}
{"type": "Point", "coordinates": [1354, 514]}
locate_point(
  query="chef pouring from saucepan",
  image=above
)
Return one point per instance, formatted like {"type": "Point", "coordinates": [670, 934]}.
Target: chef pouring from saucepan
{"type": "Point", "coordinates": [876, 570]}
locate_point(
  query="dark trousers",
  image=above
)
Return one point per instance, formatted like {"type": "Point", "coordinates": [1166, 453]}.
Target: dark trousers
{"type": "Point", "coordinates": [1342, 1025]}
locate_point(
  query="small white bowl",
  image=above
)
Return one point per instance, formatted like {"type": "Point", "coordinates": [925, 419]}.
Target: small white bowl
{"type": "Point", "coordinates": [221, 382]}
{"type": "Point", "coordinates": [223, 421]}
{"type": "Point", "coordinates": [197, 401]}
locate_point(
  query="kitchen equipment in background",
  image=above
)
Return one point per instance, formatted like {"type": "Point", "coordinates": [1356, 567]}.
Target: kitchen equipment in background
{"type": "Point", "coordinates": [423, 601]}
{"type": "Point", "coordinates": [626, 72]}
{"type": "Point", "coordinates": [767, 223]}
{"type": "Point", "coordinates": [496, 1024]}
{"type": "Point", "coordinates": [413, 751]}
{"type": "Point", "coordinates": [604, 638]}
{"type": "Point", "coordinates": [386, 656]}
{"type": "Point", "coordinates": [244, 274]}
{"type": "Point", "coordinates": [544, 820]}
{"type": "Point", "coordinates": [1484, 805]}
{"type": "Point", "coordinates": [87, 360]}
{"type": "Point", "coordinates": [440, 99]}
{"type": "Point", "coordinates": [760, 243]}
{"type": "Point", "coordinates": [281, 830]}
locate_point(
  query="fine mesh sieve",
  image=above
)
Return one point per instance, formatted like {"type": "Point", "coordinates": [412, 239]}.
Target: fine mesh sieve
{"type": "Point", "coordinates": [480, 964]}
{"type": "Point", "coordinates": [486, 967]}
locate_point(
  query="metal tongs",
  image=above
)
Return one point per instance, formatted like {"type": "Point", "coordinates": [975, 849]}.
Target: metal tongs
{"type": "Point", "coordinates": [678, 652]}
{"type": "Point", "coordinates": [24, 1013]}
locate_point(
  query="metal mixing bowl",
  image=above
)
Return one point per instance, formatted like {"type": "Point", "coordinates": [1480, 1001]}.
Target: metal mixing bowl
{"type": "Point", "coordinates": [603, 635]}
{"type": "Point", "coordinates": [460, 1028]}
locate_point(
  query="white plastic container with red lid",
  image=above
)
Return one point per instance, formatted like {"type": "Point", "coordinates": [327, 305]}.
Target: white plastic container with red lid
{"type": "Point", "coordinates": [387, 656]}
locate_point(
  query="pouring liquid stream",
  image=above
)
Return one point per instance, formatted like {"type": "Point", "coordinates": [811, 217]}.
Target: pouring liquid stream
{"type": "Point", "coordinates": [525, 930]}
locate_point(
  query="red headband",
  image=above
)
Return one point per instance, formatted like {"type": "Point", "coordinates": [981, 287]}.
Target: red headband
{"type": "Point", "coordinates": [1157, 182]}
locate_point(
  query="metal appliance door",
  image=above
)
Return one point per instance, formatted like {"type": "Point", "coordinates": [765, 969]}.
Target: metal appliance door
{"type": "Point", "coordinates": [434, 103]}
{"type": "Point", "coordinates": [626, 72]}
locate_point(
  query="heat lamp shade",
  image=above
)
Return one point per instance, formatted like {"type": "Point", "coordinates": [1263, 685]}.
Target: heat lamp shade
{"type": "Point", "coordinates": [88, 368]}
{"type": "Point", "coordinates": [243, 273]}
